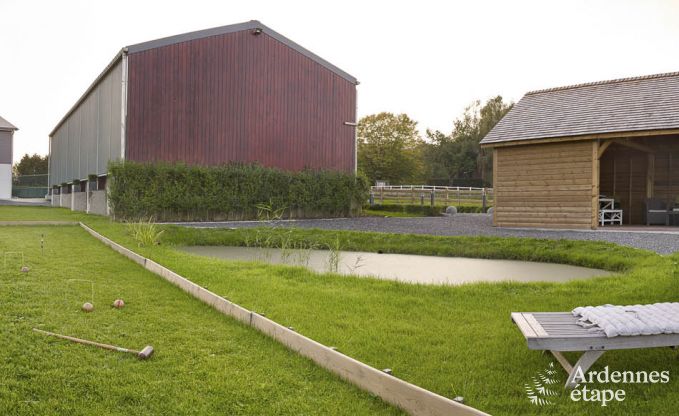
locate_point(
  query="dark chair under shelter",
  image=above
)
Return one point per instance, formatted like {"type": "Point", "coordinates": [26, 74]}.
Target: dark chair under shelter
{"type": "Point", "coordinates": [657, 212]}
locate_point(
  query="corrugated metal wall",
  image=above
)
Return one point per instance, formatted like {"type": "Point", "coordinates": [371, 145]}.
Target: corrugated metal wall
{"type": "Point", "coordinates": [91, 135]}
{"type": "Point", "coordinates": [6, 147]}
{"type": "Point", "coordinates": [238, 97]}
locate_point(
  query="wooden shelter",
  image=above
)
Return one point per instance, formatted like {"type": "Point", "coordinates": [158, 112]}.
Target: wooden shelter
{"type": "Point", "coordinates": [561, 151]}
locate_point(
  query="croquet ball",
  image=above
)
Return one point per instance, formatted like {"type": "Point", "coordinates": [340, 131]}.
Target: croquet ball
{"type": "Point", "coordinates": [25, 269]}
{"type": "Point", "coordinates": [118, 303]}
{"type": "Point", "coordinates": [88, 307]}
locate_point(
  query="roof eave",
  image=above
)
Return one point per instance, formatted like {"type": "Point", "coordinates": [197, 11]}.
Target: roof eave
{"type": "Point", "coordinates": [591, 136]}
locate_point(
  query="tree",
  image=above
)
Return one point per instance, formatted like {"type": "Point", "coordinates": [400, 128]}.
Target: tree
{"type": "Point", "coordinates": [390, 148]}
{"type": "Point", "coordinates": [459, 154]}
{"type": "Point", "coordinates": [31, 165]}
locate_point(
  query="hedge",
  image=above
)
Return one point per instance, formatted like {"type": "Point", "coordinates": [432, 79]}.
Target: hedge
{"type": "Point", "coordinates": [177, 192]}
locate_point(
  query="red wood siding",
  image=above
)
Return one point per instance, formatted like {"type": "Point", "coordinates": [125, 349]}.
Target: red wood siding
{"type": "Point", "coordinates": [238, 97]}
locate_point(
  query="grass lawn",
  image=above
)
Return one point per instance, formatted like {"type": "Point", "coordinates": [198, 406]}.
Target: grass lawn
{"type": "Point", "coordinates": [367, 212]}
{"type": "Point", "coordinates": [205, 363]}
{"type": "Point", "coordinates": [451, 340]}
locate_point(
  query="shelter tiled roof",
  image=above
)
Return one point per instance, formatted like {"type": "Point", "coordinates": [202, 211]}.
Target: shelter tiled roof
{"type": "Point", "coordinates": [623, 105]}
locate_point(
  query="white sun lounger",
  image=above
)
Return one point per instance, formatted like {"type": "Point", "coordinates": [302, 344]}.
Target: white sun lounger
{"type": "Point", "coordinates": [559, 332]}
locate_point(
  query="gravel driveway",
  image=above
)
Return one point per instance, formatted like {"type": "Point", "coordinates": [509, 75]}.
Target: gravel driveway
{"type": "Point", "coordinates": [663, 242]}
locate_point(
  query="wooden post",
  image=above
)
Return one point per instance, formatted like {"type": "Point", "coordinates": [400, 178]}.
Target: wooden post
{"type": "Point", "coordinates": [495, 187]}
{"type": "Point", "coordinates": [650, 176]}
{"type": "Point", "coordinates": [614, 179]}
{"type": "Point", "coordinates": [629, 194]}
{"type": "Point", "coordinates": [595, 184]}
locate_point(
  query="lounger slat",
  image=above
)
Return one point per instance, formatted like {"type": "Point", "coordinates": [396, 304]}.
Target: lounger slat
{"type": "Point", "coordinates": [523, 325]}
{"type": "Point", "coordinates": [535, 325]}
{"type": "Point", "coordinates": [559, 331]}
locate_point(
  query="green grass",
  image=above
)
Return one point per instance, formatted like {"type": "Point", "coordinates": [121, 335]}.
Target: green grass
{"type": "Point", "coordinates": [451, 340]}
{"type": "Point", "coordinates": [367, 212]}
{"type": "Point", "coordinates": [417, 210]}
{"type": "Point", "coordinates": [205, 363]}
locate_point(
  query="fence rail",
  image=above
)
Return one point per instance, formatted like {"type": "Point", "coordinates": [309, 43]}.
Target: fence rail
{"type": "Point", "coordinates": [29, 186]}
{"type": "Point", "coordinates": [431, 195]}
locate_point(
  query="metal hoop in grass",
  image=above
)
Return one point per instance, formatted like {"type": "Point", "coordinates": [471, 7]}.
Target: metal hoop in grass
{"type": "Point", "coordinates": [7, 253]}
{"type": "Point", "coordinates": [69, 281]}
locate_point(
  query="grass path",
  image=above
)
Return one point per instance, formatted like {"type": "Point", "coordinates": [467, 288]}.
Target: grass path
{"type": "Point", "coordinates": [451, 340]}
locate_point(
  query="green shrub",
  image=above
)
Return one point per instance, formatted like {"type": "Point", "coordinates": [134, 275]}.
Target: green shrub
{"type": "Point", "coordinates": [145, 233]}
{"type": "Point", "coordinates": [235, 191]}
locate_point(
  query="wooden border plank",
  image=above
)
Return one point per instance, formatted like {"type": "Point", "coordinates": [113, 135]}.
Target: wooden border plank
{"type": "Point", "coordinates": [32, 223]}
{"type": "Point", "coordinates": [409, 397]}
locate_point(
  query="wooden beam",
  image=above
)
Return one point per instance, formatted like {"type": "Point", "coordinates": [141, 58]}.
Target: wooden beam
{"type": "Point", "coordinates": [629, 195]}
{"type": "Point", "coordinates": [595, 184]}
{"type": "Point", "coordinates": [633, 145]}
{"type": "Point", "coordinates": [603, 146]}
{"type": "Point", "coordinates": [602, 136]}
{"type": "Point", "coordinates": [650, 176]}
{"type": "Point", "coordinates": [495, 182]}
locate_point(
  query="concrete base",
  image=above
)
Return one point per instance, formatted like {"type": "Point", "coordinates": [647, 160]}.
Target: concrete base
{"type": "Point", "coordinates": [6, 180]}
{"type": "Point", "coordinates": [97, 203]}
{"type": "Point", "coordinates": [79, 201]}
{"type": "Point", "coordinates": [65, 201]}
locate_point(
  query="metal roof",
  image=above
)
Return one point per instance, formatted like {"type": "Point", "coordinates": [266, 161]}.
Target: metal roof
{"type": "Point", "coordinates": [6, 125]}
{"type": "Point", "coordinates": [644, 103]}
{"type": "Point", "coordinates": [251, 25]}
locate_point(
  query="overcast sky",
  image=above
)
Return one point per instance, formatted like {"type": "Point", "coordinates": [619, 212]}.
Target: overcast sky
{"type": "Point", "coordinates": [426, 58]}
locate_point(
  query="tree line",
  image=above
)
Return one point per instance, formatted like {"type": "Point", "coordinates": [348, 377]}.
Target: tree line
{"type": "Point", "coordinates": [30, 165]}
{"type": "Point", "coordinates": [391, 149]}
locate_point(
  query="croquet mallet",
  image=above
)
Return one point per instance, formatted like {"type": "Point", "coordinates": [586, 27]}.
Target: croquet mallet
{"type": "Point", "coordinates": [142, 355]}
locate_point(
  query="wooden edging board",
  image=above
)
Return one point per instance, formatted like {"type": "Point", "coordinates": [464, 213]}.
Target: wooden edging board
{"type": "Point", "coordinates": [409, 397]}
{"type": "Point", "coordinates": [18, 223]}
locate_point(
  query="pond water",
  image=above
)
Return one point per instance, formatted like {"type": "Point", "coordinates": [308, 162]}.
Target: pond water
{"type": "Point", "coordinates": [404, 267]}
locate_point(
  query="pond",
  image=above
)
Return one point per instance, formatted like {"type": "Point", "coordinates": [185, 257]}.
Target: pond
{"type": "Point", "coordinates": [404, 267]}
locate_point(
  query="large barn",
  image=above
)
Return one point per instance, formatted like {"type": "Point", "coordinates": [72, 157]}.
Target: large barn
{"type": "Point", "coordinates": [238, 93]}
{"type": "Point", "coordinates": [589, 155]}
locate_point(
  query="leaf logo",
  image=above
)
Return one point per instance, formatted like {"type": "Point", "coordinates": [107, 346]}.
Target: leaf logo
{"type": "Point", "coordinates": [538, 391]}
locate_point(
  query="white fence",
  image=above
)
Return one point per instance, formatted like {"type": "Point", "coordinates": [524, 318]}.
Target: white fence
{"type": "Point", "coordinates": [431, 195]}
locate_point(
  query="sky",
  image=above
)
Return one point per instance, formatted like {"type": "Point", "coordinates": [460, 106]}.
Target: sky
{"type": "Point", "coordinates": [429, 59]}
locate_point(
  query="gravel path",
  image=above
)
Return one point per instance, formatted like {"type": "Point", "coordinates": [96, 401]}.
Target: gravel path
{"type": "Point", "coordinates": [471, 225]}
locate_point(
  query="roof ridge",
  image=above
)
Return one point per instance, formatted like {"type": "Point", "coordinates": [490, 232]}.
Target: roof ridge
{"type": "Point", "coordinates": [238, 27]}
{"type": "Point", "coordinates": [610, 81]}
